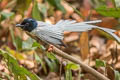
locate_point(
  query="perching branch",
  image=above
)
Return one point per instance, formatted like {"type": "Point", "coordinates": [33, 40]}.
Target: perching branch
{"type": "Point", "coordinates": [66, 56]}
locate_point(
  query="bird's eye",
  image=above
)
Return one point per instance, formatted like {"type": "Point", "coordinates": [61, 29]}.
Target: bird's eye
{"type": "Point", "coordinates": [27, 24]}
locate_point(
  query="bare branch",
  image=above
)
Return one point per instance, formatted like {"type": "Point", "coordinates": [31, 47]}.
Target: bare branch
{"type": "Point", "coordinates": [66, 56]}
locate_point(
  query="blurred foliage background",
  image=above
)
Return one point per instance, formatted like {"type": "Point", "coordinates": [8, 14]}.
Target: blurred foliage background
{"type": "Point", "coordinates": [22, 58]}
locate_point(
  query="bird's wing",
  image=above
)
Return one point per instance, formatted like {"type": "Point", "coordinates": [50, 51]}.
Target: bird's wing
{"type": "Point", "coordinates": [49, 34]}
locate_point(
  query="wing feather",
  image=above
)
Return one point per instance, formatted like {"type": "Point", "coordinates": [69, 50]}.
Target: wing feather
{"type": "Point", "coordinates": [49, 34]}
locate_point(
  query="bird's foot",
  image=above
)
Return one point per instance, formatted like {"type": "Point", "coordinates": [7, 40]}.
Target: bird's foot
{"type": "Point", "coordinates": [50, 48]}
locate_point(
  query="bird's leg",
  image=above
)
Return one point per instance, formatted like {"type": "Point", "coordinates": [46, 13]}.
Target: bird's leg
{"type": "Point", "coordinates": [50, 48]}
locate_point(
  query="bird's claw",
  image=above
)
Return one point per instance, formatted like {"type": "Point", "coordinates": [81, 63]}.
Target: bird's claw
{"type": "Point", "coordinates": [50, 48]}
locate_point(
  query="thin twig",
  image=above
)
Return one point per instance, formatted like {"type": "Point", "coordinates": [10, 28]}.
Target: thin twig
{"type": "Point", "coordinates": [84, 66]}
{"type": "Point", "coordinates": [60, 74]}
{"type": "Point", "coordinates": [66, 56]}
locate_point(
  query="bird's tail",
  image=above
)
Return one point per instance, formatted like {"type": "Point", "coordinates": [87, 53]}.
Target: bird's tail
{"type": "Point", "coordinates": [72, 26]}
{"type": "Point", "coordinates": [110, 32]}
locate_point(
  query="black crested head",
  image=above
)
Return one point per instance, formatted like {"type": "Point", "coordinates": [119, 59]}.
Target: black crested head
{"type": "Point", "coordinates": [28, 24]}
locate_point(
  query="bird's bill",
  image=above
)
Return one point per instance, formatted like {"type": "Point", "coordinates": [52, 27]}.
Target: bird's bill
{"type": "Point", "coordinates": [19, 25]}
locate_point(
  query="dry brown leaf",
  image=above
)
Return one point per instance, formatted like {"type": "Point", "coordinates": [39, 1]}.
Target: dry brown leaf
{"type": "Point", "coordinates": [77, 17]}
{"type": "Point", "coordinates": [72, 37]}
{"type": "Point", "coordinates": [83, 44]}
{"type": "Point", "coordinates": [58, 15]}
{"type": "Point", "coordinates": [108, 22]}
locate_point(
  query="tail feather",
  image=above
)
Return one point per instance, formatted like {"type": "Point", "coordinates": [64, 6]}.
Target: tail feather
{"type": "Point", "coordinates": [72, 26]}
{"type": "Point", "coordinates": [110, 32]}
{"type": "Point", "coordinates": [93, 22]}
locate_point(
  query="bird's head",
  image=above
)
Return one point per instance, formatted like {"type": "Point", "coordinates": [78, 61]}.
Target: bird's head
{"type": "Point", "coordinates": [28, 24]}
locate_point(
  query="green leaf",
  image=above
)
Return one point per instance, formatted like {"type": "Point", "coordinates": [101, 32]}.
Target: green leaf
{"type": "Point", "coordinates": [13, 38]}
{"type": "Point", "coordinates": [49, 63]}
{"type": "Point", "coordinates": [5, 15]}
{"type": "Point", "coordinates": [36, 12]}
{"type": "Point", "coordinates": [55, 63]}
{"type": "Point", "coordinates": [18, 71]}
{"type": "Point", "coordinates": [78, 12]}
{"type": "Point", "coordinates": [6, 75]}
{"type": "Point", "coordinates": [17, 55]}
{"type": "Point", "coordinates": [68, 70]}
{"type": "Point", "coordinates": [117, 75]}
{"type": "Point", "coordinates": [27, 44]}
{"type": "Point", "coordinates": [39, 60]}
{"type": "Point", "coordinates": [68, 74]}
{"type": "Point", "coordinates": [108, 12]}
{"type": "Point", "coordinates": [37, 45]}
{"type": "Point", "coordinates": [52, 63]}
{"type": "Point", "coordinates": [57, 4]}
{"type": "Point", "coordinates": [43, 9]}
{"type": "Point", "coordinates": [51, 55]}
{"type": "Point", "coordinates": [22, 5]}
{"type": "Point", "coordinates": [114, 3]}
{"type": "Point", "coordinates": [18, 41]}
{"type": "Point", "coordinates": [100, 63]}
{"type": "Point", "coordinates": [72, 66]}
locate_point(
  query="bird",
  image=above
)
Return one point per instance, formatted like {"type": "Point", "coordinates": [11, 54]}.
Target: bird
{"type": "Point", "coordinates": [54, 33]}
